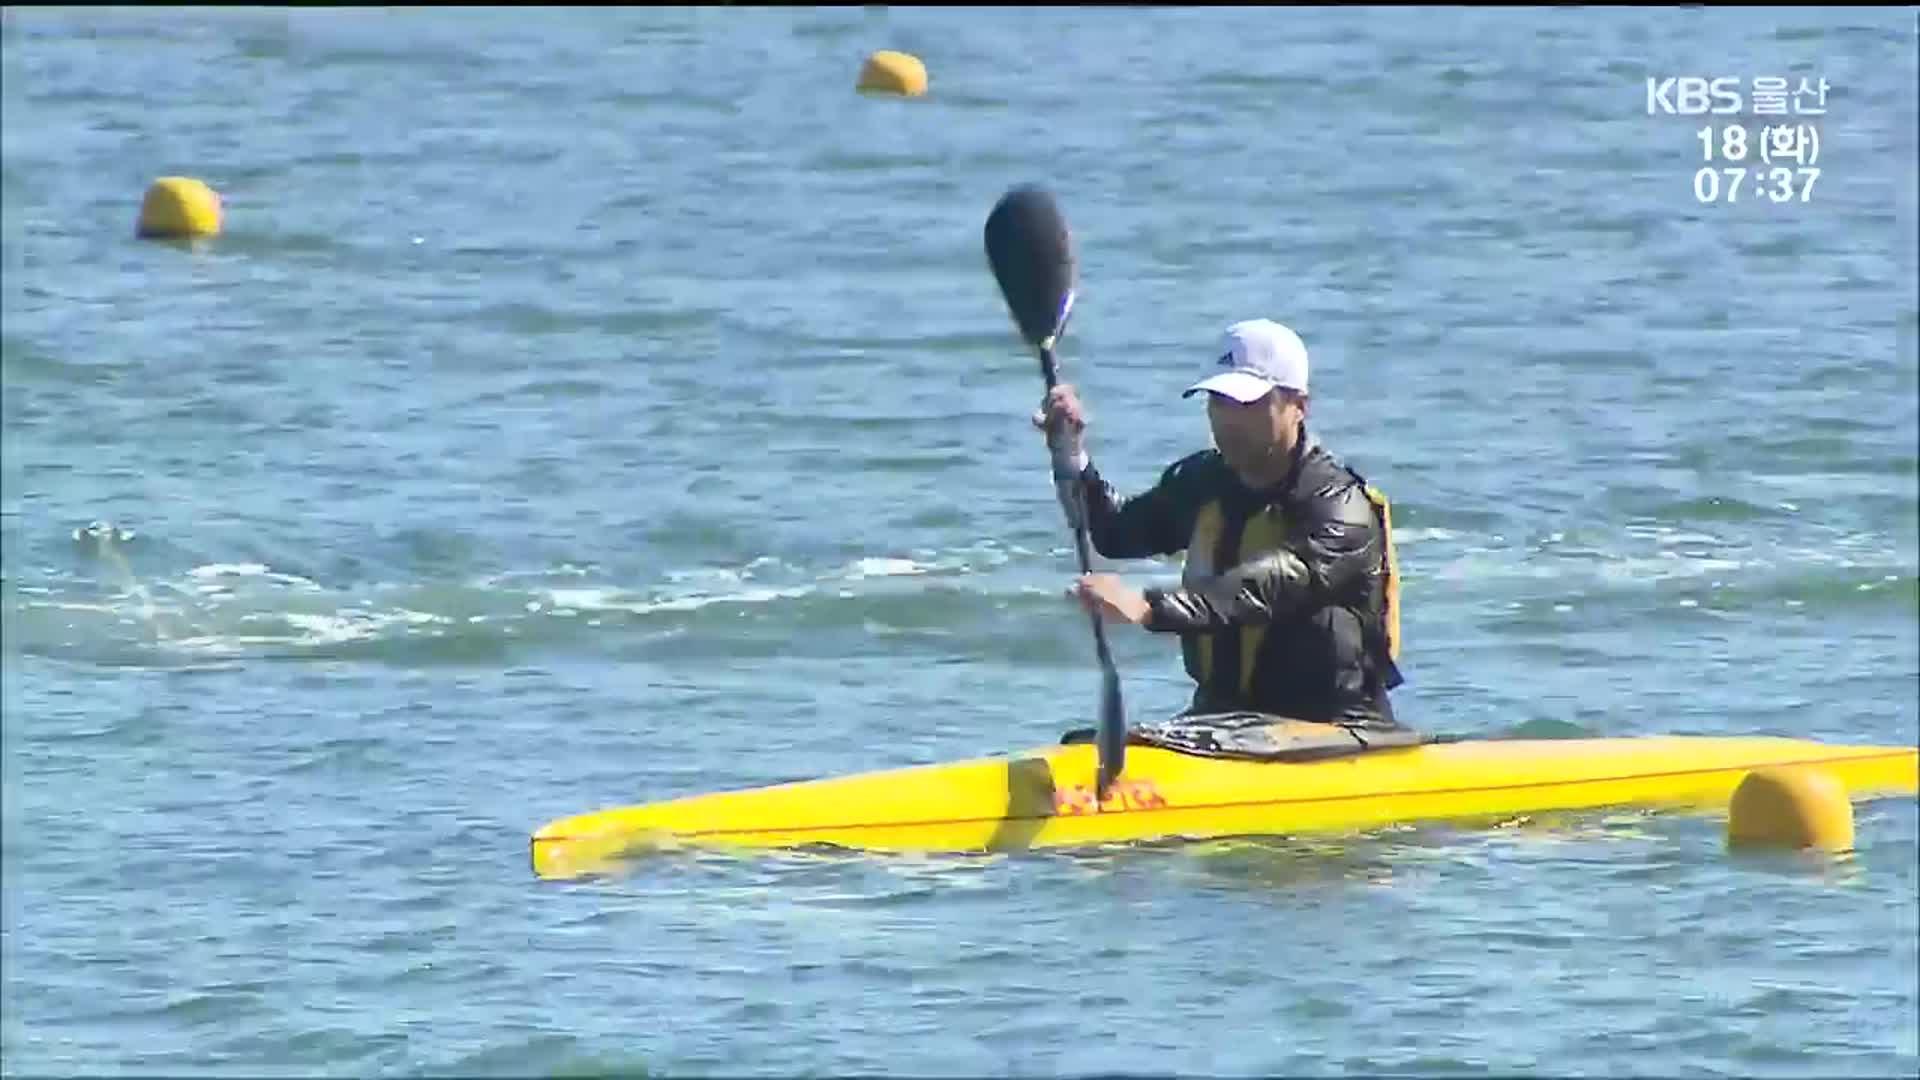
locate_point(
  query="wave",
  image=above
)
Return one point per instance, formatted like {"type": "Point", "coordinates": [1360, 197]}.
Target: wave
{"type": "Point", "coordinates": [981, 601]}
{"type": "Point", "coordinates": [239, 610]}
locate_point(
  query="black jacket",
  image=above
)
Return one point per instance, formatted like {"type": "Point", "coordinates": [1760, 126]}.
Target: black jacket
{"type": "Point", "coordinates": [1281, 608]}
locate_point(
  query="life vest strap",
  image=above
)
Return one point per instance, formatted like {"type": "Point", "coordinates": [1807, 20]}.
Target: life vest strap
{"type": "Point", "coordinates": [1384, 633]}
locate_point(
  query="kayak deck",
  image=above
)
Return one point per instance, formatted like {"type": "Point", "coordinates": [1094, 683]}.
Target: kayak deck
{"type": "Point", "coordinates": [1044, 798]}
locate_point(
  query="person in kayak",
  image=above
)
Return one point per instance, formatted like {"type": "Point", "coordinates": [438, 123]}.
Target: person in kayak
{"type": "Point", "coordinates": [1287, 603]}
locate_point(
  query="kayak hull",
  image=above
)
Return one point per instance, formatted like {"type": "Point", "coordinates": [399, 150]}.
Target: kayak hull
{"type": "Point", "coordinates": [1043, 798]}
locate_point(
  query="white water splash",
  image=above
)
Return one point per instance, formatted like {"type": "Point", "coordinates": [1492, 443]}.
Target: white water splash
{"type": "Point", "coordinates": [884, 567]}
{"type": "Point", "coordinates": [216, 578]}
{"type": "Point", "coordinates": [749, 596]}
{"type": "Point", "coordinates": [214, 570]}
{"type": "Point", "coordinates": [565, 602]}
{"type": "Point", "coordinates": [588, 599]}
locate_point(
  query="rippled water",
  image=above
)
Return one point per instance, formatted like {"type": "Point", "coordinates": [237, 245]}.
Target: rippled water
{"type": "Point", "coordinates": [584, 408]}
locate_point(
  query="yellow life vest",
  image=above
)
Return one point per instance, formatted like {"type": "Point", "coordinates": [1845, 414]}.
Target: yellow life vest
{"type": "Point", "coordinates": [1384, 509]}
{"type": "Point", "coordinates": [1262, 533]}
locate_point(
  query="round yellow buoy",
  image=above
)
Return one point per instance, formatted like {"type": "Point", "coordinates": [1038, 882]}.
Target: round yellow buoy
{"type": "Point", "coordinates": [889, 72]}
{"type": "Point", "coordinates": [179, 206]}
{"type": "Point", "coordinates": [1790, 808]}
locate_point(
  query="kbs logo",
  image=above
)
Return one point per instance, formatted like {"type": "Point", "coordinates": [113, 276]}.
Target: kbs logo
{"type": "Point", "coordinates": [1692, 95]}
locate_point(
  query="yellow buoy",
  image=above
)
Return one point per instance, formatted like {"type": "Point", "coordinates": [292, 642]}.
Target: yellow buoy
{"type": "Point", "coordinates": [1790, 808]}
{"type": "Point", "coordinates": [889, 72]}
{"type": "Point", "coordinates": [179, 206]}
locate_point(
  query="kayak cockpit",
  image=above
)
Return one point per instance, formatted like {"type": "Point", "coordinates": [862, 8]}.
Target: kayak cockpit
{"type": "Point", "coordinates": [1252, 736]}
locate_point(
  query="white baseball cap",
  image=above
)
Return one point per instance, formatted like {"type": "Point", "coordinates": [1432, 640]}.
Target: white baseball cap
{"type": "Point", "coordinates": [1258, 355]}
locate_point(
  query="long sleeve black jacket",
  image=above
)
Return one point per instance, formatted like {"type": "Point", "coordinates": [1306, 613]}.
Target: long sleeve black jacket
{"type": "Point", "coordinates": [1281, 606]}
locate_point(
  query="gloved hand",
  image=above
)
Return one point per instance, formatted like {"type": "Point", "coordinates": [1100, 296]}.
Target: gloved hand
{"type": "Point", "coordinates": [1065, 423]}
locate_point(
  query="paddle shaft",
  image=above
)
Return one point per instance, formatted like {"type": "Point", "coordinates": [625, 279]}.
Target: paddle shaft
{"type": "Point", "coordinates": [1112, 731]}
{"type": "Point", "coordinates": [1051, 372]}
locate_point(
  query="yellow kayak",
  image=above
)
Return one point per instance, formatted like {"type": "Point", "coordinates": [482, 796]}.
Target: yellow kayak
{"type": "Point", "coordinates": [1043, 798]}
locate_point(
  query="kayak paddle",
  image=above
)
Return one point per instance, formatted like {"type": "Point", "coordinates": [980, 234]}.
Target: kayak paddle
{"type": "Point", "coordinates": [1031, 252]}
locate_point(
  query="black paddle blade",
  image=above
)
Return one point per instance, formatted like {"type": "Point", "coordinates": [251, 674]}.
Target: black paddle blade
{"type": "Point", "coordinates": [1032, 256]}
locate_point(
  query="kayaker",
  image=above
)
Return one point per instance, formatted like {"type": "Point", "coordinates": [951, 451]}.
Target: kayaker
{"type": "Point", "coordinates": [1283, 603]}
